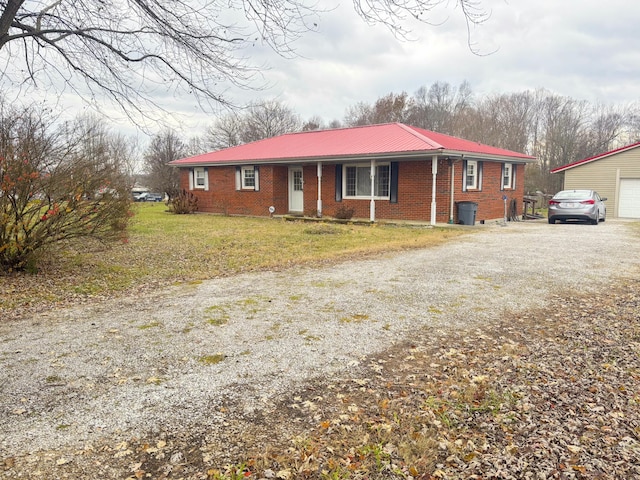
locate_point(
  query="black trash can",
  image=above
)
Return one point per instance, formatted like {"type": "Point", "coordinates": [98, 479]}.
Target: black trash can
{"type": "Point", "coordinates": [467, 212]}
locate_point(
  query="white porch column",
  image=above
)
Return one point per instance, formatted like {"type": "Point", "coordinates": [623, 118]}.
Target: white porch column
{"type": "Point", "coordinates": [372, 203]}
{"type": "Point", "coordinates": [319, 206]}
{"type": "Point", "coordinates": [434, 173]}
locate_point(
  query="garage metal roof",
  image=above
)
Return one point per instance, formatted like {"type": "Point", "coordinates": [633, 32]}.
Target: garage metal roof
{"type": "Point", "coordinates": [385, 140]}
{"type": "Point", "coordinates": [592, 159]}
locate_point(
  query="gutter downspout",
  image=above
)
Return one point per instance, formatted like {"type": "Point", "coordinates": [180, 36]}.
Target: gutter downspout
{"type": "Point", "coordinates": [452, 162]}
{"type": "Point", "coordinates": [372, 203]}
{"type": "Point", "coordinates": [434, 173]}
{"type": "Point", "coordinates": [319, 204]}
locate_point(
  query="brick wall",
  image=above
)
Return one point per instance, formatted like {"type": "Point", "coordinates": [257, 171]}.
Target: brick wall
{"type": "Point", "coordinates": [222, 196]}
{"type": "Point", "coordinates": [414, 192]}
{"type": "Point", "coordinates": [489, 198]}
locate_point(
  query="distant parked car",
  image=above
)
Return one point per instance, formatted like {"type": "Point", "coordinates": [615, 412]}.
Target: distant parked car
{"type": "Point", "coordinates": [153, 197]}
{"type": "Point", "coordinates": [148, 197]}
{"type": "Point", "coordinates": [583, 205]}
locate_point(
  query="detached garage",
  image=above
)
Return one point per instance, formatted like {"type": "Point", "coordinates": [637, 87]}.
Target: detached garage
{"type": "Point", "coordinates": [614, 175]}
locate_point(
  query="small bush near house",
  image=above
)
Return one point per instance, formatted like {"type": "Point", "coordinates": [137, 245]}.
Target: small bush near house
{"type": "Point", "coordinates": [344, 213]}
{"type": "Point", "coordinates": [184, 203]}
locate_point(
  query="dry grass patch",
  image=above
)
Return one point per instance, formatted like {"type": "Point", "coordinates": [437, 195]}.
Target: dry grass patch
{"type": "Point", "coordinates": [165, 249]}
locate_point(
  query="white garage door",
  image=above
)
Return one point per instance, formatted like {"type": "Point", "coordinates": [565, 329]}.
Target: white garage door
{"type": "Point", "coordinates": [629, 205]}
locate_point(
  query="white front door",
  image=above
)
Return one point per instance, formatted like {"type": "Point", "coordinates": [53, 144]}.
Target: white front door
{"type": "Point", "coordinates": [296, 195]}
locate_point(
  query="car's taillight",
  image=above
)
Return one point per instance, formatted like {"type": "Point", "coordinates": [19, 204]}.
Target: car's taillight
{"type": "Point", "coordinates": [588, 202]}
{"type": "Point", "coordinates": [553, 202]}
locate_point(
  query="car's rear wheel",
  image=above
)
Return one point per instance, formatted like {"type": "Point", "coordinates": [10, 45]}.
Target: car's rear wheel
{"type": "Point", "coordinates": [594, 221]}
{"type": "Point", "coordinates": [552, 221]}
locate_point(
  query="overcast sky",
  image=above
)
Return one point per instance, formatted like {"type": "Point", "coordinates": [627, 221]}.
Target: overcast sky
{"type": "Point", "coordinates": [585, 49]}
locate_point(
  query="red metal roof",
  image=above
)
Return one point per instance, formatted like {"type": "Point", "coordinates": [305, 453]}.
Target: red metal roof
{"type": "Point", "coordinates": [591, 159]}
{"type": "Point", "coordinates": [391, 139]}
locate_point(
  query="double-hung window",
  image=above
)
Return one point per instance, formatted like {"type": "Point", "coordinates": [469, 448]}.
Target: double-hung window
{"type": "Point", "coordinates": [357, 181]}
{"type": "Point", "coordinates": [248, 178]}
{"type": "Point", "coordinates": [471, 175]}
{"type": "Point", "coordinates": [507, 176]}
{"type": "Point", "coordinates": [199, 177]}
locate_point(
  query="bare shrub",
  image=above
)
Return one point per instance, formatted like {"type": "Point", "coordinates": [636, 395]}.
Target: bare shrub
{"type": "Point", "coordinates": [55, 186]}
{"type": "Point", "coordinates": [184, 203]}
{"type": "Point", "coordinates": [344, 213]}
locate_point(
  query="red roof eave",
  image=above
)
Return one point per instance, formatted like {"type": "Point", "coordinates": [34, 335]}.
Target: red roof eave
{"type": "Point", "coordinates": [194, 161]}
{"type": "Point", "coordinates": [417, 155]}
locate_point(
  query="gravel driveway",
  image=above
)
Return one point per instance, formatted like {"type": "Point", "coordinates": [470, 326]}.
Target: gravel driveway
{"type": "Point", "coordinates": [137, 365]}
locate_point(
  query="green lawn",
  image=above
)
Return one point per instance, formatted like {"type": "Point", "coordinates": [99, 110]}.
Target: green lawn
{"type": "Point", "coordinates": [165, 249]}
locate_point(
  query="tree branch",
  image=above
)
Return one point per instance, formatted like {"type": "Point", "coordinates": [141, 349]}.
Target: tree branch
{"type": "Point", "coordinates": [131, 49]}
{"type": "Point", "coordinates": [6, 19]}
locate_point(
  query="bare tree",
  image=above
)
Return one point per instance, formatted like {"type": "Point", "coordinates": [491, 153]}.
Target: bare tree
{"type": "Point", "coordinates": [96, 141]}
{"type": "Point", "coordinates": [164, 148]}
{"type": "Point", "coordinates": [393, 107]}
{"type": "Point", "coordinates": [131, 49]}
{"type": "Point", "coordinates": [506, 121]}
{"type": "Point", "coordinates": [633, 123]}
{"type": "Point", "coordinates": [314, 123]}
{"type": "Point", "coordinates": [317, 123]}
{"type": "Point", "coordinates": [260, 120]}
{"type": "Point", "coordinates": [196, 145]}
{"type": "Point", "coordinates": [359, 114]}
{"type": "Point", "coordinates": [608, 124]}
{"type": "Point", "coordinates": [440, 107]}
{"type": "Point", "coordinates": [268, 119]}
{"type": "Point", "coordinates": [225, 132]}
{"type": "Point", "coordinates": [55, 186]}
{"type": "Point", "coordinates": [560, 128]}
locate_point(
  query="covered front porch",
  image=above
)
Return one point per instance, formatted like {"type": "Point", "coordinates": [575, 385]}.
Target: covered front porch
{"type": "Point", "coordinates": [376, 189]}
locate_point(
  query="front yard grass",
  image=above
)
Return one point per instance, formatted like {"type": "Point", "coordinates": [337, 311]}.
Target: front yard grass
{"type": "Point", "coordinates": [165, 249]}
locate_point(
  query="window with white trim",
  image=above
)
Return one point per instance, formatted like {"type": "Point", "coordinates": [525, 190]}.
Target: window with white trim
{"type": "Point", "coordinates": [248, 175]}
{"type": "Point", "coordinates": [471, 175]}
{"type": "Point", "coordinates": [357, 181]}
{"type": "Point", "coordinates": [507, 176]}
{"type": "Point", "coordinates": [199, 177]}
